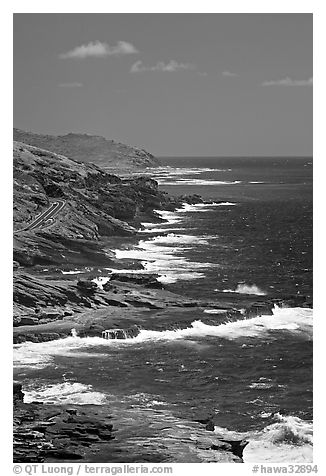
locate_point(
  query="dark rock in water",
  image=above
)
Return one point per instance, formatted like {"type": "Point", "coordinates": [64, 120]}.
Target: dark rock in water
{"type": "Point", "coordinates": [121, 333]}
{"type": "Point", "coordinates": [107, 286]}
{"type": "Point", "coordinates": [87, 287]}
{"type": "Point", "coordinates": [235, 446]}
{"type": "Point", "coordinates": [18, 394]}
{"type": "Point", "coordinates": [147, 280]}
{"type": "Point", "coordinates": [232, 449]}
{"type": "Point", "coordinates": [259, 309]}
{"type": "Point", "coordinates": [208, 422]}
{"type": "Point", "coordinates": [210, 426]}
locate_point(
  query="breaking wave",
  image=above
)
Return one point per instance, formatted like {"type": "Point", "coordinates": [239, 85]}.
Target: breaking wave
{"type": "Point", "coordinates": [200, 182]}
{"type": "Point", "coordinates": [295, 320]}
{"type": "Point", "coordinates": [245, 289]}
{"type": "Point", "coordinates": [202, 207]}
{"type": "Point", "coordinates": [65, 393]}
{"type": "Point", "coordinates": [163, 255]}
{"type": "Point", "coordinates": [286, 439]}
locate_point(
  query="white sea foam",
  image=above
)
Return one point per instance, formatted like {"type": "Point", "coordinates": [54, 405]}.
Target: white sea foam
{"type": "Point", "coordinates": [157, 257]}
{"type": "Point", "coordinates": [100, 280]}
{"type": "Point", "coordinates": [170, 217]}
{"type": "Point", "coordinates": [176, 216]}
{"type": "Point", "coordinates": [65, 393]}
{"type": "Point", "coordinates": [215, 311]}
{"type": "Point", "coordinates": [72, 272]}
{"type": "Point", "coordinates": [296, 320]}
{"type": "Point", "coordinates": [178, 238]}
{"type": "Point", "coordinates": [159, 230]}
{"type": "Point", "coordinates": [200, 182]}
{"type": "Point", "coordinates": [245, 289]}
{"type": "Point", "coordinates": [224, 204]}
{"type": "Point", "coordinates": [202, 207]}
{"type": "Point", "coordinates": [164, 172]}
{"type": "Point", "coordinates": [288, 439]}
{"type": "Point", "coordinates": [173, 278]}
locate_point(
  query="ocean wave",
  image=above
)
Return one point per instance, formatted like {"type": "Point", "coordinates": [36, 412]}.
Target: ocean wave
{"type": "Point", "coordinates": [173, 278]}
{"type": "Point", "coordinates": [171, 238]}
{"type": "Point", "coordinates": [157, 257]}
{"type": "Point", "coordinates": [101, 280]}
{"type": "Point", "coordinates": [245, 289]}
{"type": "Point", "coordinates": [174, 217]}
{"type": "Point", "coordinates": [65, 393]}
{"type": "Point", "coordinates": [215, 311]}
{"type": "Point", "coordinates": [202, 207]}
{"type": "Point", "coordinates": [167, 261]}
{"type": "Point", "coordinates": [200, 182]}
{"type": "Point", "coordinates": [72, 271]}
{"type": "Point", "coordinates": [158, 229]}
{"type": "Point", "coordinates": [170, 217]}
{"type": "Point", "coordinates": [163, 172]}
{"type": "Point", "coordinates": [296, 320]}
{"type": "Point", "coordinates": [289, 429]}
{"type": "Point", "coordinates": [287, 439]}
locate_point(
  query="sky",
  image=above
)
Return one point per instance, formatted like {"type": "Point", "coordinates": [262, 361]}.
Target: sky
{"type": "Point", "coordinates": [173, 84]}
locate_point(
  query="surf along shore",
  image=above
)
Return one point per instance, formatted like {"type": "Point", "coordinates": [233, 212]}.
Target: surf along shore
{"type": "Point", "coordinates": [67, 283]}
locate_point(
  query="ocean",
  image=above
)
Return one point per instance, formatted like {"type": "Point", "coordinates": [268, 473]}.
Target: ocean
{"type": "Point", "coordinates": [253, 377]}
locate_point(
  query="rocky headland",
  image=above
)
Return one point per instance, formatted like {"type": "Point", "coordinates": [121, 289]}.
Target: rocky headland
{"type": "Point", "coordinates": [89, 148]}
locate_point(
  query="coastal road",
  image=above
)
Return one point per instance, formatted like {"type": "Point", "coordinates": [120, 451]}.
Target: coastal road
{"type": "Point", "coordinates": [46, 216]}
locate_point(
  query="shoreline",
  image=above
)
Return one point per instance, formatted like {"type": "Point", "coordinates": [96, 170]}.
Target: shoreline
{"type": "Point", "coordinates": [102, 215]}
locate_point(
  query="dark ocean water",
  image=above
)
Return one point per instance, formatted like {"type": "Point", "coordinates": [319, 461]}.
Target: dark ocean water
{"type": "Point", "coordinates": [253, 376]}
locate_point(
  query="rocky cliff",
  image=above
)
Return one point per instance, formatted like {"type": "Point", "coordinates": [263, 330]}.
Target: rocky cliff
{"type": "Point", "coordinates": [89, 148]}
{"type": "Point", "coordinates": [96, 205]}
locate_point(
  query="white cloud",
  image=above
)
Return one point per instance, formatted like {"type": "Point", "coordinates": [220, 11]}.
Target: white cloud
{"type": "Point", "coordinates": [170, 67]}
{"type": "Point", "coordinates": [70, 85]}
{"type": "Point", "coordinates": [99, 50]}
{"type": "Point", "coordinates": [228, 74]}
{"type": "Point", "coordinates": [289, 82]}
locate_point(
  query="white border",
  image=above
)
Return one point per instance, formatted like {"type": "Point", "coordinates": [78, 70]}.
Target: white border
{"type": "Point", "coordinates": [168, 6]}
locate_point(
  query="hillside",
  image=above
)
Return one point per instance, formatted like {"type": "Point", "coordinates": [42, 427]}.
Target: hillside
{"type": "Point", "coordinates": [98, 212]}
{"type": "Point", "coordinates": [88, 148]}
{"type": "Point", "coordinates": [97, 204]}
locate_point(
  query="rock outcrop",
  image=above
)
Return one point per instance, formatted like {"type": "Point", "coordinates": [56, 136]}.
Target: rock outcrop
{"type": "Point", "coordinates": [58, 433]}
{"type": "Point", "coordinates": [52, 433]}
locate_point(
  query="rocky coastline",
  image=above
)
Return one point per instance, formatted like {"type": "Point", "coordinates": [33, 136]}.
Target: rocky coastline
{"type": "Point", "coordinates": [102, 211]}
{"type": "Point", "coordinates": [87, 433]}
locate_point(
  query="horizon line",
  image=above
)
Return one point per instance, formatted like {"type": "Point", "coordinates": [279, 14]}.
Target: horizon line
{"type": "Point", "coordinates": [234, 156]}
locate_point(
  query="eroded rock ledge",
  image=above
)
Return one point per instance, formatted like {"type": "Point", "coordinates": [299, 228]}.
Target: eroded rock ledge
{"type": "Point", "coordinates": [90, 433]}
{"type": "Point", "coordinates": [54, 433]}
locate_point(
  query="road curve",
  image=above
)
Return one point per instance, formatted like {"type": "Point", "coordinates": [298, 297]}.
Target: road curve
{"type": "Point", "coordinates": [50, 213]}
